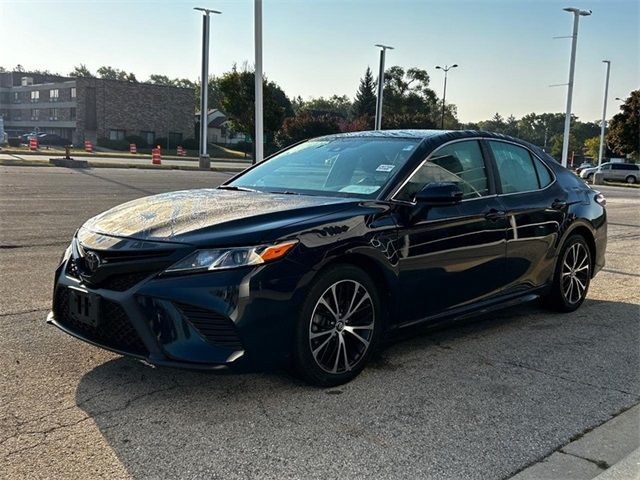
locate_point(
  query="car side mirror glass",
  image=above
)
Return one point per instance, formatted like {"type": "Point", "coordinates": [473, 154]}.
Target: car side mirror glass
{"type": "Point", "coordinates": [439, 193]}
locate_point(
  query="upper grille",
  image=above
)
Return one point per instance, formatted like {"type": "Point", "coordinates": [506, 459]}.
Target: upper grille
{"type": "Point", "coordinates": [114, 329]}
{"type": "Point", "coordinates": [216, 328]}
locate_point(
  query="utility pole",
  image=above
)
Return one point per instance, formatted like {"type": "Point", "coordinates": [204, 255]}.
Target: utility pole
{"type": "Point", "coordinates": [604, 111]}
{"type": "Point", "coordinates": [378, 122]}
{"type": "Point", "coordinates": [204, 161]}
{"type": "Point", "coordinates": [577, 13]}
{"type": "Point", "coordinates": [445, 69]}
{"type": "Point", "coordinates": [259, 118]}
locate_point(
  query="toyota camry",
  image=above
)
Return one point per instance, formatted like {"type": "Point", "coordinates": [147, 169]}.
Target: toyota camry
{"type": "Point", "coordinates": [311, 257]}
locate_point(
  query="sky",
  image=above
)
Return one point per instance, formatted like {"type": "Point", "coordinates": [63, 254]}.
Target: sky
{"type": "Point", "coordinates": [505, 49]}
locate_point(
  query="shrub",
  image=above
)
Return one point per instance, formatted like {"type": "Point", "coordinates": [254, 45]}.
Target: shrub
{"type": "Point", "coordinates": [113, 144]}
{"type": "Point", "coordinates": [138, 140]}
{"type": "Point", "coordinates": [191, 144]}
{"type": "Point", "coordinates": [306, 125]}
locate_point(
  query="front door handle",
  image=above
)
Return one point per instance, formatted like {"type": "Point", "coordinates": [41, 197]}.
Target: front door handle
{"type": "Point", "coordinates": [558, 204]}
{"type": "Point", "coordinates": [494, 214]}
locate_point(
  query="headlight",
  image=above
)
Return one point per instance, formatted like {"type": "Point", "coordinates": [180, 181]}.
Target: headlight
{"type": "Point", "coordinates": [225, 258]}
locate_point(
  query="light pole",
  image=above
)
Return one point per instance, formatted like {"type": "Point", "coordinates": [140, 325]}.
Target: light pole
{"type": "Point", "coordinates": [257, 77]}
{"type": "Point", "coordinates": [445, 69]}
{"type": "Point", "coordinates": [383, 49]}
{"type": "Point", "coordinates": [577, 13]}
{"type": "Point", "coordinates": [204, 162]}
{"type": "Point", "coordinates": [604, 111]}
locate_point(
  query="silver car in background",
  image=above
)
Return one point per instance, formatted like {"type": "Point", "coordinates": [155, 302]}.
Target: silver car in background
{"type": "Point", "coordinates": [615, 172]}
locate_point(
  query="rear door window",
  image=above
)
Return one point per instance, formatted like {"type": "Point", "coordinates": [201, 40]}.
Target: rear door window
{"type": "Point", "coordinates": [518, 170]}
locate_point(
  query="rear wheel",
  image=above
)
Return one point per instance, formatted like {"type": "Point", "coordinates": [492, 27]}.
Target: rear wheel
{"type": "Point", "coordinates": [631, 179]}
{"type": "Point", "coordinates": [338, 326]}
{"type": "Point", "coordinates": [590, 177]}
{"type": "Point", "coordinates": [572, 276]}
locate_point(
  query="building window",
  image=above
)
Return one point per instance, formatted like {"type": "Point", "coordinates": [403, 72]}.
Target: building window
{"type": "Point", "coordinates": [35, 113]}
{"type": "Point", "coordinates": [16, 97]}
{"type": "Point", "coordinates": [73, 92]}
{"type": "Point", "coordinates": [53, 95]}
{"type": "Point", "coordinates": [149, 137]}
{"type": "Point", "coordinates": [53, 114]}
{"type": "Point", "coordinates": [175, 138]}
{"type": "Point", "coordinates": [17, 115]}
{"type": "Point", "coordinates": [116, 134]}
{"type": "Point", "coordinates": [72, 114]}
{"type": "Point", "coordinates": [35, 96]}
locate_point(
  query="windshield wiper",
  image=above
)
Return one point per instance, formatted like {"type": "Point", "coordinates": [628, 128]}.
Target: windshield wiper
{"type": "Point", "coordinates": [237, 189]}
{"type": "Point", "coordinates": [286, 192]}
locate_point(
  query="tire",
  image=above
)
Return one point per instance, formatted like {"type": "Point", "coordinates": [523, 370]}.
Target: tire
{"type": "Point", "coordinates": [572, 276]}
{"type": "Point", "coordinates": [630, 179]}
{"type": "Point", "coordinates": [333, 349]}
{"type": "Point", "coordinates": [590, 177]}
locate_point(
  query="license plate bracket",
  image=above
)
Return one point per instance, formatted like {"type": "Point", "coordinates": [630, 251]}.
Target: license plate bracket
{"type": "Point", "coordinates": [84, 306]}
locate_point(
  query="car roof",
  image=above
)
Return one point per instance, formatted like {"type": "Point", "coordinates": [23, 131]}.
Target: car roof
{"type": "Point", "coordinates": [422, 134]}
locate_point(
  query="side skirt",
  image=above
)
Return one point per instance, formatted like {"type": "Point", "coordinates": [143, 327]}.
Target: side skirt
{"type": "Point", "coordinates": [476, 309]}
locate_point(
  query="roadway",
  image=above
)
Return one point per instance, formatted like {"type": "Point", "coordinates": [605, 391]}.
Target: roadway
{"type": "Point", "coordinates": [476, 401]}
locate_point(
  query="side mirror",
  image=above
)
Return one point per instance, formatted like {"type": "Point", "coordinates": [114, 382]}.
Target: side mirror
{"type": "Point", "coordinates": [439, 193]}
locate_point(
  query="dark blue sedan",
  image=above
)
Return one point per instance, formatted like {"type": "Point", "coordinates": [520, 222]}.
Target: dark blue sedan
{"type": "Point", "coordinates": [314, 255]}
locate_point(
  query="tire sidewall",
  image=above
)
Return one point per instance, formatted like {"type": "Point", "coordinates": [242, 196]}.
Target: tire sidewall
{"type": "Point", "coordinates": [303, 357]}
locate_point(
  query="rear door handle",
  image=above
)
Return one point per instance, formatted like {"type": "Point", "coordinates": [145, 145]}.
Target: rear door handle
{"type": "Point", "coordinates": [558, 204]}
{"type": "Point", "coordinates": [494, 214]}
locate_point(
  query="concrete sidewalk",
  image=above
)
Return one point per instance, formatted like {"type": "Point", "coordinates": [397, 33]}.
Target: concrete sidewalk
{"type": "Point", "coordinates": [223, 165]}
{"type": "Point", "coordinates": [608, 452]}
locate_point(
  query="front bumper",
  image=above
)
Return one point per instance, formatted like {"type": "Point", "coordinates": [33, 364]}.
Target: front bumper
{"type": "Point", "coordinates": [210, 321]}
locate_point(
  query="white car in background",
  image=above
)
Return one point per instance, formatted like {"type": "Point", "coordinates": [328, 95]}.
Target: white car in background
{"type": "Point", "coordinates": [614, 171]}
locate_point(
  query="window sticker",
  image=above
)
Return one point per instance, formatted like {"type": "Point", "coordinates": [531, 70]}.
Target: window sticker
{"type": "Point", "coordinates": [408, 148]}
{"type": "Point", "coordinates": [385, 168]}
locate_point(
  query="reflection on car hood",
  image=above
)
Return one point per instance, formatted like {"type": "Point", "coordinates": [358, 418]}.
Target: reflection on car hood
{"type": "Point", "coordinates": [190, 215]}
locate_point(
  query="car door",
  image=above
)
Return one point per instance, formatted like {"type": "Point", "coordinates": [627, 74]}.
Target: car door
{"type": "Point", "coordinates": [606, 170]}
{"type": "Point", "coordinates": [450, 255]}
{"type": "Point", "coordinates": [535, 206]}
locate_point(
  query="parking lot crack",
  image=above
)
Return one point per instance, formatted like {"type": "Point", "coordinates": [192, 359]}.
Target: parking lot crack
{"type": "Point", "coordinates": [563, 377]}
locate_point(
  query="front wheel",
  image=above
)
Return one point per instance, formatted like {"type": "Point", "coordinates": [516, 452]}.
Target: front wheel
{"type": "Point", "coordinates": [572, 276]}
{"type": "Point", "coordinates": [338, 326]}
{"type": "Point", "coordinates": [631, 179]}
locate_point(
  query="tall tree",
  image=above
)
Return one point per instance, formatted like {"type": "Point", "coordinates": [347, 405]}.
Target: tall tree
{"type": "Point", "coordinates": [159, 80]}
{"type": "Point", "coordinates": [305, 125]}
{"type": "Point", "coordinates": [365, 101]}
{"type": "Point", "coordinates": [624, 128]}
{"type": "Point", "coordinates": [237, 99]}
{"type": "Point", "coordinates": [334, 105]}
{"type": "Point", "coordinates": [81, 71]}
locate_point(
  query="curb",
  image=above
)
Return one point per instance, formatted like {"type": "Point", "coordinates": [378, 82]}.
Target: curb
{"type": "Point", "coordinates": [45, 163]}
{"type": "Point", "coordinates": [609, 451]}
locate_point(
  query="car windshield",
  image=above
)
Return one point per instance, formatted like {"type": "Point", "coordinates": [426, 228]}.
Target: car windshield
{"type": "Point", "coordinates": [352, 166]}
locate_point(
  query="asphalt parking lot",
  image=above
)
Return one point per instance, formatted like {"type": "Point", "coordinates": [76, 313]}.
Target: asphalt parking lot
{"type": "Point", "coordinates": [475, 401]}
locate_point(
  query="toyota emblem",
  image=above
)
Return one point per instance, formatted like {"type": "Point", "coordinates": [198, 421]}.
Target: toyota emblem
{"type": "Point", "coordinates": [92, 261]}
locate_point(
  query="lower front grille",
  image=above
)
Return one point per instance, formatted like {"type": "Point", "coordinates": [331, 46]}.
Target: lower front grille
{"type": "Point", "coordinates": [114, 329]}
{"type": "Point", "coordinates": [214, 327]}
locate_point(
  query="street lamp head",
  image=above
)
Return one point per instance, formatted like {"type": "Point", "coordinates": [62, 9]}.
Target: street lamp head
{"type": "Point", "coordinates": [438, 67]}
{"type": "Point", "coordinates": [206, 11]}
{"type": "Point", "coordinates": [384, 47]}
{"type": "Point", "coordinates": [606, 61]}
{"type": "Point", "coordinates": [577, 11]}
{"type": "Point", "coordinates": [454, 65]}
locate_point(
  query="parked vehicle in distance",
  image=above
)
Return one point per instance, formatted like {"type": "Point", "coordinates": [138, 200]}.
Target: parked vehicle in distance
{"type": "Point", "coordinates": [314, 255]}
{"type": "Point", "coordinates": [583, 166]}
{"type": "Point", "coordinates": [52, 140]}
{"type": "Point", "coordinates": [616, 172]}
{"type": "Point", "coordinates": [25, 137]}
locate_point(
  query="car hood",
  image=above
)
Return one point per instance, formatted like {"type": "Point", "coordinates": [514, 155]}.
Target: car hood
{"type": "Point", "coordinates": [210, 216]}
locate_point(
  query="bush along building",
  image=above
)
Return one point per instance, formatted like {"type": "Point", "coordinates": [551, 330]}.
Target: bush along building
{"type": "Point", "coordinates": [106, 112]}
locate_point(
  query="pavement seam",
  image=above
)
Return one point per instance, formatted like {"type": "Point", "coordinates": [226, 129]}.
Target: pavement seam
{"type": "Point", "coordinates": [25, 311]}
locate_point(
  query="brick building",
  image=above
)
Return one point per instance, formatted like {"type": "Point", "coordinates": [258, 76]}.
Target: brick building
{"type": "Point", "coordinates": [82, 109]}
